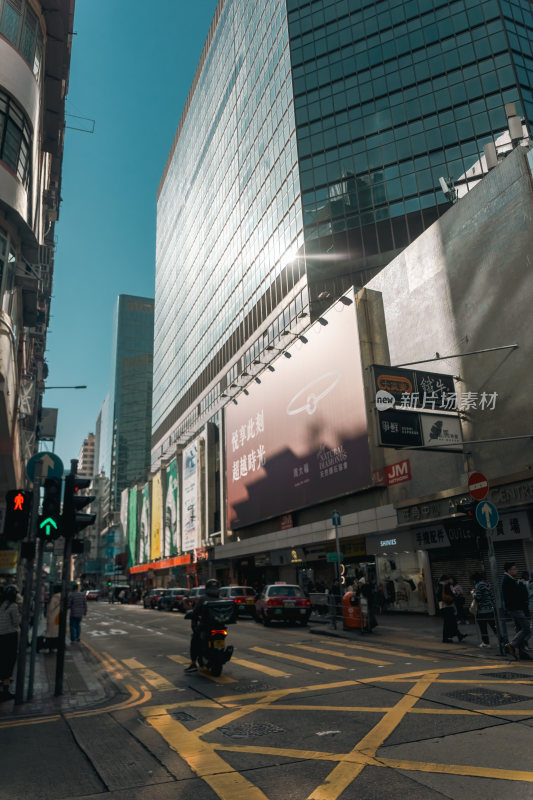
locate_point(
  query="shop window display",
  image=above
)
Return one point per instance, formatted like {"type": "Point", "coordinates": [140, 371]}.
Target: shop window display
{"type": "Point", "coordinates": [401, 582]}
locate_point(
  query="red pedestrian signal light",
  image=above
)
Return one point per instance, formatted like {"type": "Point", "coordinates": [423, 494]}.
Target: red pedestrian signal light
{"type": "Point", "coordinates": [73, 520]}
{"type": "Point", "coordinates": [18, 513]}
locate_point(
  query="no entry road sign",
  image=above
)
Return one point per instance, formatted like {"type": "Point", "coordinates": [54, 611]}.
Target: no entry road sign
{"type": "Point", "coordinates": [478, 485]}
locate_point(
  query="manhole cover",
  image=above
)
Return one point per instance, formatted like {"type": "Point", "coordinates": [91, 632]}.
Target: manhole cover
{"type": "Point", "coordinates": [182, 716]}
{"type": "Point", "coordinates": [248, 730]}
{"type": "Point", "coordinates": [251, 686]}
{"type": "Point", "coordinates": [487, 697]}
{"type": "Point", "coordinates": [509, 676]}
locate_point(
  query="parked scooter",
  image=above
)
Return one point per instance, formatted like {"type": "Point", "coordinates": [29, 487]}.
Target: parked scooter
{"type": "Point", "coordinates": [215, 616]}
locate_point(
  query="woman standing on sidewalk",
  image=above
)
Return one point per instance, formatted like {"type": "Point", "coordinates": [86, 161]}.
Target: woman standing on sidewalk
{"type": "Point", "coordinates": [9, 636]}
{"type": "Point", "coordinates": [449, 612]}
{"type": "Point", "coordinates": [485, 607]}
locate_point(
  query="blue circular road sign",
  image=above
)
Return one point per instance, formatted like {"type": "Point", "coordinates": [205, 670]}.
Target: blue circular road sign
{"type": "Point", "coordinates": [51, 466]}
{"type": "Point", "coordinates": [487, 514]}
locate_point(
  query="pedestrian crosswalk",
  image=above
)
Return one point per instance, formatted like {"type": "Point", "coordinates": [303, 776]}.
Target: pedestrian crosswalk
{"type": "Point", "coordinates": [326, 655]}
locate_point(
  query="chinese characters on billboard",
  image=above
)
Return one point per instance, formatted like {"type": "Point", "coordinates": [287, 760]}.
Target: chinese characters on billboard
{"type": "Point", "coordinates": [300, 437]}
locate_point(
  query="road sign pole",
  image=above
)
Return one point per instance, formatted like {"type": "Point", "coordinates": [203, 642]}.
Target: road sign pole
{"type": "Point", "coordinates": [36, 617]}
{"type": "Point", "coordinates": [336, 519]}
{"type": "Point", "coordinates": [496, 589]}
{"type": "Point", "coordinates": [67, 556]}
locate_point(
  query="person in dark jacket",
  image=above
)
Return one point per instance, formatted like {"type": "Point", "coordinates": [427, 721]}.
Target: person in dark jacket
{"type": "Point", "coordinates": [78, 608]}
{"type": "Point", "coordinates": [485, 607]}
{"type": "Point", "coordinates": [212, 587]}
{"type": "Point", "coordinates": [448, 611]}
{"type": "Point", "coordinates": [514, 596]}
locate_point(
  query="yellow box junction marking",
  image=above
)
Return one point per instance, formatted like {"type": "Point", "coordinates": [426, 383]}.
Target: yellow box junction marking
{"type": "Point", "coordinates": [230, 785]}
{"type": "Point", "coordinates": [372, 649]}
{"type": "Point", "coordinates": [203, 672]}
{"type": "Point", "coordinates": [275, 673]}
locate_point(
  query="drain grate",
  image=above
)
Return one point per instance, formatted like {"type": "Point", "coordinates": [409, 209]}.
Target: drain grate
{"type": "Point", "coordinates": [251, 686]}
{"type": "Point", "coordinates": [182, 716]}
{"type": "Point", "coordinates": [487, 697]}
{"type": "Point", "coordinates": [509, 676]}
{"type": "Point", "coordinates": [247, 730]}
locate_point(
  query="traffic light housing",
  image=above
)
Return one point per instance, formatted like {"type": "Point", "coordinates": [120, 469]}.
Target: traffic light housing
{"type": "Point", "coordinates": [468, 508]}
{"type": "Point", "coordinates": [74, 501]}
{"type": "Point", "coordinates": [49, 527]}
{"type": "Point", "coordinates": [18, 513]}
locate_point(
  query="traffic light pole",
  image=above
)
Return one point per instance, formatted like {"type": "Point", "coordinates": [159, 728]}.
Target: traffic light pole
{"type": "Point", "coordinates": [36, 617]}
{"type": "Point", "coordinates": [28, 588]}
{"type": "Point", "coordinates": [67, 555]}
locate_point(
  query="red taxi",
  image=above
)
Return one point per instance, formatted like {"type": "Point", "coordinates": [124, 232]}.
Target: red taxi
{"type": "Point", "coordinates": [283, 601]}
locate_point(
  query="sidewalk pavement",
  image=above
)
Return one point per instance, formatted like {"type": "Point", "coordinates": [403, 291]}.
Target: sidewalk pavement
{"type": "Point", "coordinates": [86, 683]}
{"type": "Point", "coordinates": [416, 630]}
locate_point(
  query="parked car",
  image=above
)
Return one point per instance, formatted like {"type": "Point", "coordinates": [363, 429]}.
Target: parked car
{"type": "Point", "coordinates": [92, 594]}
{"type": "Point", "coordinates": [151, 598]}
{"type": "Point", "coordinates": [283, 601]}
{"type": "Point", "coordinates": [243, 596]}
{"type": "Point", "coordinates": [173, 600]}
{"type": "Point", "coordinates": [194, 595]}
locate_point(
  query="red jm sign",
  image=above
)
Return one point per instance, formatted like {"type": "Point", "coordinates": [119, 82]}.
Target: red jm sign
{"type": "Point", "coordinates": [398, 473]}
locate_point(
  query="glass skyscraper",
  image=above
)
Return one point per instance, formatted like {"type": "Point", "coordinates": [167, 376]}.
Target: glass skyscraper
{"type": "Point", "coordinates": [308, 155]}
{"type": "Point", "coordinates": [125, 444]}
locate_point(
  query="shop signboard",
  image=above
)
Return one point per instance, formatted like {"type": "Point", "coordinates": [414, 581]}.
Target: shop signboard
{"type": "Point", "coordinates": [399, 429]}
{"type": "Point", "coordinates": [441, 431]}
{"type": "Point", "coordinates": [398, 473]}
{"type": "Point", "coordinates": [300, 437]}
{"type": "Point", "coordinates": [8, 562]}
{"type": "Point", "coordinates": [386, 543]}
{"type": "Point", "coordinates": [171, 522]}
{"type": "Point", "coordinates": [431, 537]}
{"type": "Point", "coordinates": [412, 389]}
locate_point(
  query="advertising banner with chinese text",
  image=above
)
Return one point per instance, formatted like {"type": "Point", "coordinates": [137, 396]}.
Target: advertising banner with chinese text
{"type": "Point", "coordinates": [144, 544]}
{"type": "Point", "coordinates": [132, 526]}
{"type": "Point", "coordinates": [124, 497]}
{"type": "Point", "coordinates": [190, 512]}
{"type": "Point", "coordinates": [157, 516]}
{"type": "Point", "coordinates": [171, 521]}
{"type": "Point", "coordinates": [300, 437]}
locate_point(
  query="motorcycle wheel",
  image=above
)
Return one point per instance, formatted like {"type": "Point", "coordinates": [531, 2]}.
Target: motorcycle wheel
{"type": "Point", "coordinates": [216, 670]}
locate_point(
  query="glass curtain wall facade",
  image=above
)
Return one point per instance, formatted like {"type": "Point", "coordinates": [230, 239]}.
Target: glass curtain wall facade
{"type": "Point", "coordinates": [308, 155]}
{"type": "Point", "coordinates": [130, 393]}
{"type": "Point", "coordinates": [229, 213]}
{"type": "Point", "coordinates": [389, 97]}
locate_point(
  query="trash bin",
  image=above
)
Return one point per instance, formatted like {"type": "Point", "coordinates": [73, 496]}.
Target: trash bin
{"type": "Point", "coordinates": [351, 611]}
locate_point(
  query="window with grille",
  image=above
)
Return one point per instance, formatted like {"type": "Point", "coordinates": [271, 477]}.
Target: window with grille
{"type": "Point", "coordinates": [15, 139]}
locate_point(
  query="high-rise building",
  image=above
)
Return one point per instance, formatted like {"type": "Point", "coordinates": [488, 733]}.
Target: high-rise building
{"type": "Point", "coordinates": [35, 47]}
{"type": "Point", "coordinates": [86, 456]}
{"type": "Point", "coordinates": [308, 155]}
{"type": "Point", "coordinates": [125, 420]}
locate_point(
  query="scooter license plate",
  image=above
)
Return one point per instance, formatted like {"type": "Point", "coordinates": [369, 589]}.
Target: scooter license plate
{"type": "Point", "coordinates": [219, 644]}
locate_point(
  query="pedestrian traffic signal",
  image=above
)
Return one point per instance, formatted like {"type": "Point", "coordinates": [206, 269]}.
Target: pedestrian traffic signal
{"type": "Point", "coordinates": [18, 513]}
{"type": "Point", "coordinates": [73, 520]}
{"type": "Point", "coordinates": [468, 508]}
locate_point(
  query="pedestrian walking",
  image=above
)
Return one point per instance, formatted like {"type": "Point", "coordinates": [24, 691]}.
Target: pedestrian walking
{"type": "Point", "coordinates": [515, 600]}
{"type": "Point", "coordinates": [78, 609]}
{"type": "Point", "coordinates": [9, 636]}
{"type": "Point", "coordinates": [460, 602]}
{"type": "Point", "coordinates": [52, 618]}
{"type": "Point", "coordinates": [448, 611]}
{"type": "Point", "coordinates": [485, 615]}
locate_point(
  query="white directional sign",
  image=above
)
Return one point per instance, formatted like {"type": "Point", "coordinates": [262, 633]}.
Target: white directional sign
{"type": "Point", "coordinates": [487, 514]}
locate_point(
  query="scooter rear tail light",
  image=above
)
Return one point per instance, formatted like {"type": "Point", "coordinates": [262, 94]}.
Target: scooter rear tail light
{"type": "Point", "coordinates": [225, 633]}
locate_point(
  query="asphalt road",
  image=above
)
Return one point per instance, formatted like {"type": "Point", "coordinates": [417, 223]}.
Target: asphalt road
{"type": "Point", "coordinates": [294, 716]}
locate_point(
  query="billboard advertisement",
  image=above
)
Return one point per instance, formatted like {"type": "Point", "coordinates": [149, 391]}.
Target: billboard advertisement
{"type": "Point", "coordinates": [144, 542]}
{"type": "Point", "coordinates": [157, 516]}
{"type": "Point", "coordinates": [300, 437]}
{"type": "Point", "coordinates": [190, 511]}
{"type": "Point", "coordinates": [132, 527]}
{"type": "Point", "coordinates": [171, 519]}
{"type": "Point", "coordinates": [124, 513]}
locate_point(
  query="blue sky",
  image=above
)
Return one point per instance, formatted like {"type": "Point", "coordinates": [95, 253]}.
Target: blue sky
{"type": "Point", "coordinates": [131, 69]}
